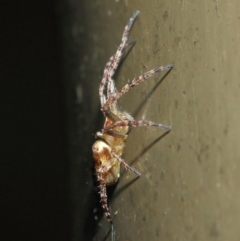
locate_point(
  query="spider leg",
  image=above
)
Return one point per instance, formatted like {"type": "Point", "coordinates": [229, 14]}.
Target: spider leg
{"type": "Point", "coordinates": [109, 114]}
{"type": "Point", "coordinates": [121, 47]}
{"type": "Point", "coordinates": [104, 81]}
{"type": "Point", "coordinates": [111, 88]}
{"type": "Point", "coordinates": [103, 195]}
{"type": "Point", "coordinates": [110, 82]}
{"type": "Point", "coordinates": [135, 123]}
{"type": "Point", "coordinates": [114, 97]}
{"type": "Point", "coordinates": [115, 59]}
{"type": "Point", "coordinates": [114, 133]}
{"type": "Point", "coordinates": [125, 164]}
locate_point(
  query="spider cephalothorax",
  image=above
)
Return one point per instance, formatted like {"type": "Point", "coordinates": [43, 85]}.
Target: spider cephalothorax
{"type": "Point", "coordinates": [108, 149]}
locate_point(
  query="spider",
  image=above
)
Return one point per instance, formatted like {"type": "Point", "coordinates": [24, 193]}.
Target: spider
{"type": "Point", "coordinates": [110, 143]}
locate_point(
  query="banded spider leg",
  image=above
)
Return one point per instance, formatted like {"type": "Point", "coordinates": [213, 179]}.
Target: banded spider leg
{"type": "Point", "coordinates": [113, 62]}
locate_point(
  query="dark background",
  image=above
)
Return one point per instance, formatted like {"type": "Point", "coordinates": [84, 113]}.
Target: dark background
{"type": "Point", "coordinates": [34, 160]}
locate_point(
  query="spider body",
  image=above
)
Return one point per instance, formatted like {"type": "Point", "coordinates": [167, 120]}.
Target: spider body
{"type": "Point", "coordinates": [108, 149]}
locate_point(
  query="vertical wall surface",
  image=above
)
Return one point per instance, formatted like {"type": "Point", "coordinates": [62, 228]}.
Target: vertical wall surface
{"type": "Point", "coordinates": [189, 188]}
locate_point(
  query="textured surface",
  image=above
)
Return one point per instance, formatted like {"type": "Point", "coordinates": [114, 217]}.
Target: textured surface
{"type": "Point", "coordinates": [189, 188]}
